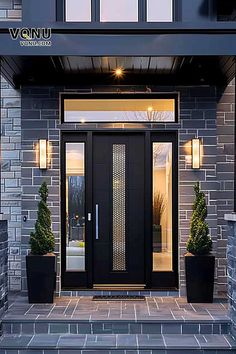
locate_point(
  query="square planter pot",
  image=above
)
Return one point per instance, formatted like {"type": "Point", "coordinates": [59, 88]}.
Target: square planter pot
{"type": "Point", "coordinates": [199, 272]}
{"type": "Point", "coordinates": [41, 278]}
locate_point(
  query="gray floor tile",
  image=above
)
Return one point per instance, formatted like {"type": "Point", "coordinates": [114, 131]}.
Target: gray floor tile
{"type": "Point", "coordinates": [150, 340]}
{"type": "Point", "coordinates": [184, 341]}
{"type": "Point", "coordinates": [76, 341]}
{"type": "Point", "coordinates": [44, 341]}
{"type": "Point", "coordinates": [14, 341]}
{"type": "Point", "coordinates": [126, 340]}
{"type": "Point", "coordinates": [213, 341]}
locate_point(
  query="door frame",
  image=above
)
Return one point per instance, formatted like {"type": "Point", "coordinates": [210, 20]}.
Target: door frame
{"type": "Point", "coordinates": [84, 280]}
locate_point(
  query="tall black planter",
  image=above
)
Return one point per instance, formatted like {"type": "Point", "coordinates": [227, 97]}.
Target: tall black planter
{"type": "Point", "coordinates": [199, 272]}
{"type": "Point", "coordinates": [41, 278]}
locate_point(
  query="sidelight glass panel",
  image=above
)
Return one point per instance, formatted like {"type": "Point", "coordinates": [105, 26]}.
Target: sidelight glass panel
{"type": "Point", "coordinates": [162, 207]}
{"type": "Point", "coordinates": [159, 10]}
{"type": "Point", "coordinates": [75, 207]}
{"type": "Point", "coordinates": [118, 228]}
{"type": "Point", "coordinates": [78, 10]}
{"type": "Point", "coordinates": [119, 10]}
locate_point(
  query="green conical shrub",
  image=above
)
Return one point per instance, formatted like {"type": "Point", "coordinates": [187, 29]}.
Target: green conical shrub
{"type": "Point", "coordinates": [199, 241]}
{"type": "Point", "coordinates": [42, 239]}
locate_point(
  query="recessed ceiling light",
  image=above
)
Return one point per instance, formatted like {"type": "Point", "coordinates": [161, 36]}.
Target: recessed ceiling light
{"type": "Point", "coordinates": [119, 72]}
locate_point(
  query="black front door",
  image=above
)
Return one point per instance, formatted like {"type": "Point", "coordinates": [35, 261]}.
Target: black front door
{"type": "Point", "coordinates": [118, 207]}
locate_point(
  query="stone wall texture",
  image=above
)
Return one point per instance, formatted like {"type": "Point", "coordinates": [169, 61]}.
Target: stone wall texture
{"type": "Point", "coordinates": [231, 255]}
{"type": "Point", "coordinates": [204, 113]}
{"type": "Point", "coordinates": [10, 10]}
{"type": "Point", "coordinates": [3, 267]}
{"type": "Point", "coordinates": [225, 175]}
{"type": "Point", "coordinates": [11, 176]}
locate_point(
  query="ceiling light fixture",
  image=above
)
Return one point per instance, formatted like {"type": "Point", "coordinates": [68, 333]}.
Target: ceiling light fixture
{"type": "Point", "coordinates": [119, 72]}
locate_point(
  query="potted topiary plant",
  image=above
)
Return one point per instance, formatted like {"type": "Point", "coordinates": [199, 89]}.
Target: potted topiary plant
{"type": "Point", "coordinates": [199, 262]}
{"type": "Point", "coordinates": [41, 262]}
{"type": "Point", "coordinates": [158, 209]}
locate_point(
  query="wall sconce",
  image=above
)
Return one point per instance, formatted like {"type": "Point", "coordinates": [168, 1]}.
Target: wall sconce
{"type": "Point", "coordinates": [196, 153]}
{"type": "Point", "coordinates": [43, 154]}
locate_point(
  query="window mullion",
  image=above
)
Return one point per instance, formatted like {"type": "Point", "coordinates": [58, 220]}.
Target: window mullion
{"type": "Point", "coordinates": [142, 10]}
{"type": "Point", "coordinates": [95, 5]}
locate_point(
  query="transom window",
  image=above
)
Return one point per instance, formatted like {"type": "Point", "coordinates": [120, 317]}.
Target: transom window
{"type": "Point", "coordinates": [128, 109]}
{"type": "Point", "coordinates": [118, 10]}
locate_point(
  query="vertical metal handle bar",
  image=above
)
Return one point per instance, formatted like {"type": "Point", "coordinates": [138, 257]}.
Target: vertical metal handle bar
{"type": "Point", "coordinates": [97, 226]}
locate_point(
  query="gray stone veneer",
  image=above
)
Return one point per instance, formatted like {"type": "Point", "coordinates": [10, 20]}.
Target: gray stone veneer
{"type": "Point", "coordinates": [10, 10]}
{"type": "Point", "coordinates": [198, 117]}
{"type": "Point", "coordinates": [225, 175]}
{"type": "Point", "coordinates": [231, 256]}
{"type": "Point", "coordinates": [3, 267]}
{"type": "Point", "coordinates": [11, 176]}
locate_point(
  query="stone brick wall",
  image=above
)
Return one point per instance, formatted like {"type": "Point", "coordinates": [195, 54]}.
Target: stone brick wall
{"type": "Point", "coordinates": [11, 176]}
{"type": "Point", "coordinates": [225, 174]}
{"type": "Point", "coordinates": [3, 267]}
{"type": "Point", "coordinates": [10, 10]}
{"type": "Point", "coordinates": [40, 112]}
{"type": "Point", "coordinates": [231, 256]}
{"type": "Point", "coordinates": [198, 112]}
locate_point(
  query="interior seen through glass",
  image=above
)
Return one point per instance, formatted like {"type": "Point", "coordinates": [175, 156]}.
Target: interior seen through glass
{"type": "Point", "coordinates": [159, 10]}
{"type": "Point", "coordinates": [162, 207]}
{"type": "Point", "coordinates": [75, 207]}
{"type": "Point", "coordinates": [119, 11]}
{"type": "Point", "coordinates": [78, 10]}
{"type": "Point", "coordinates": [119, 110]}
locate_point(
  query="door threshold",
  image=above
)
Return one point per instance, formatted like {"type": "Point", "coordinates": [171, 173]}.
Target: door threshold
{"type": "Point", "coordinates": [119, 286]}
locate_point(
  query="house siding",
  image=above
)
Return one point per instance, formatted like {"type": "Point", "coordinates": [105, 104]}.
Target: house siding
{"type": "Point", "coordinates": [201, 112]}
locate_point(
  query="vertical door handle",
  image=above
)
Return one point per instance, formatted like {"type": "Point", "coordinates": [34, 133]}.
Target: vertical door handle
{"type": "Point", "coordinates": [97, 225]}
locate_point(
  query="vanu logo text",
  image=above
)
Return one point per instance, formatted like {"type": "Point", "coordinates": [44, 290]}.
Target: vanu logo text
{"type": "Point", "coordinates": [32, 36]}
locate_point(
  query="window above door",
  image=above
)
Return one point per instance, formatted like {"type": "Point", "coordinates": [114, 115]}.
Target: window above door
{"type": "Point", "coordinates": [118, 10]}
{"type": "Point", "coordinates": [111, 108]}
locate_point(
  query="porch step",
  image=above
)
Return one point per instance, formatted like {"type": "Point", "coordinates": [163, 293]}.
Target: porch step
{"type": "Point", "coordinates": [27, 326]}
{"type": "Point", "coordinates": [109, 343]}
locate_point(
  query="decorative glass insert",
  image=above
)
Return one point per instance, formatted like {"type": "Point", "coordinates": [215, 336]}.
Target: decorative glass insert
{"type": "Point", "coordinates": [118, 227]}
{"type": "Point", "coordinates": [162, 207]}
{"type": "Point", "coordinates": [119, 11]}
{"type": "Point", "coordinates": [78, 10]}
{"type": "Point", "coordinates": [119, 110]}
{"type": "Point", "coordinates": [159, 10]}
{"type": "Point", "coordinates": [75, 207]}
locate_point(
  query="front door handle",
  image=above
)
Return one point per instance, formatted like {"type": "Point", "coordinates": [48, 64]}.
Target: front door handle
{"type": "Point", "coordinates": [96, 221]}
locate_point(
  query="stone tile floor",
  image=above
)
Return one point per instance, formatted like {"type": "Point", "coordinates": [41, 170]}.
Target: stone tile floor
{"type": "Point", "coordinates": [153, 309]}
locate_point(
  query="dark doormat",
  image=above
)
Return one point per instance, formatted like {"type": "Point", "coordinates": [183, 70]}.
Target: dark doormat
{"type": "Point", "coordinates": [118, 298]}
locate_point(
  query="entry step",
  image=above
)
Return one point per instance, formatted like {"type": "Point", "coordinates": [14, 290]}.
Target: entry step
{"type": "Point", "coordinates": [111, 342]}
{"type": "Point", "coordinates": [23, 326]}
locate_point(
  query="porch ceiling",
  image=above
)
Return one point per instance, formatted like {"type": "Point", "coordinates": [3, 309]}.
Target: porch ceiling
{"type": "Point", "coordinates": [139, 70]}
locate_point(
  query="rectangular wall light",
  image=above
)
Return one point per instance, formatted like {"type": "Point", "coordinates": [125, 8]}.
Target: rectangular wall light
{"type": "Point", "coordinates": [42, 154]}
{"type": "Point", "coordinates": [195, 153]}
